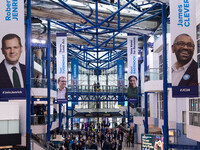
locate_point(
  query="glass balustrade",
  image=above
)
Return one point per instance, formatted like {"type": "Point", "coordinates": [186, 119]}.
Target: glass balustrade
{"type": "Point", "coordinates": [42, 83]}
{"type": "Point", "coordinates": [9, 126]}
{"type": "Point", "coordinates": [155, 74]}
{"type": "Point", "coordinates": [42, 119]}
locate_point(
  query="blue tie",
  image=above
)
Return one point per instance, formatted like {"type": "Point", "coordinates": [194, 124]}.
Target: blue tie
{"type": "Point", "coordinates": [16, 80]}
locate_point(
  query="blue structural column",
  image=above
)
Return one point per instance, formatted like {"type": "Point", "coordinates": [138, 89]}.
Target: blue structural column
{"type": "Point", "coordinates": [43, 66]}
{"type": "Point", "coordinates": [67, 118]}
{"type": "Point", "coordinates": [60, 116]}
{"type": "Point", "coordinates": [48, 81]}
{"type": "Point", "coordinates": [165, 98]}
{"type": "Point", "coordinates": [54, 68]}
{"type": "Point", "coordinates": [128, 114]}
{"type": "Point", "coordinates": [28, 75]}
{"type": "Point", "coordinates": [97, 38]}
{"type": "Point", "coordinates": [32, 67]}
{"type": "Point", "coordinates": [145, 93]}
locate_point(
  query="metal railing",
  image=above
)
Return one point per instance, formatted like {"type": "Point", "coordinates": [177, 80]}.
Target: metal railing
{"type": "Point", "coordinates": [42, 143]}
{"type": "Point", "coordinates": [42, 83]}
{"type": "Point", "coordinates": [102, 88]}
{"type": "Point", "coordinates": [42, 119]}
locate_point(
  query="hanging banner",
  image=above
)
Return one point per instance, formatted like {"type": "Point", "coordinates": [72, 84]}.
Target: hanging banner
{"type": "Point", "coordinates": [12, 58]}
{"type": "Point", "coordinates": [120, 79]}
{"type": "Point", "coordinates": [184, 54]}
{"type": "Point", "coordinates": [74, 68]}
{"type": "Point", "coordinates": [132, 58]}
{"type": "Point", "coordinates": [120, 73]}
{"type": "Point", "coordinates": [61, 51]}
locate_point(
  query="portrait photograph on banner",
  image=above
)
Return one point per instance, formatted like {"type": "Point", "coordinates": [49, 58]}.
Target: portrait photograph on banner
{"type": "Point", "coordinates": [12, 58]}
{"type": "Point", "coordinates": [132, 59]}
{"type": "Point", "coordinates": [61, 55]}
{"type": "Point", "coordinates": [184, 50]}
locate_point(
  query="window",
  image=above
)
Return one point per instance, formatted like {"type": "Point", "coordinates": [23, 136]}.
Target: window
{"type": "Point", "coordinates": [160, 104]}
{"type": "Point", "coordinates": [194, 112]}
{"type": "Point", "coordinates": [160, 67]}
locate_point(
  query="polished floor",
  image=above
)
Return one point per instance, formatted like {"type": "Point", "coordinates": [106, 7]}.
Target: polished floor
{"type": "Point", "coordinates": [136, 147]}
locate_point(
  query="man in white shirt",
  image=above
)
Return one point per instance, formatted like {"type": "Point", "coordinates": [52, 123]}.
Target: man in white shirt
{"type": "Point", "coordinates": [62, 90]}
{"type": "Point", "coordinates": [12, 73]}
{"type": "Point", "coordinates": [184, 71]}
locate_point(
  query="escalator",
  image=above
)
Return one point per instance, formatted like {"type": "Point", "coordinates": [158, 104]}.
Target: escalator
{"type": "Point", "coordinates": [38, 142]}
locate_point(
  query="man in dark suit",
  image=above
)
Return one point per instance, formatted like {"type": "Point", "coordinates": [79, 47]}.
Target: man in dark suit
{"type": "Point", "coordinates": [184, 71]}
{"type": "Point", "coordinates": [12, 73]}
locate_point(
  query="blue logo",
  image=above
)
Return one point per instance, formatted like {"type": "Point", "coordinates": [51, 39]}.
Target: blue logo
{"type": "Point", "coordinates": [186, 76]}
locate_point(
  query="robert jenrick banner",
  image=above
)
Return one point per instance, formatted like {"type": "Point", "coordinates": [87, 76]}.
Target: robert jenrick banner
{"type": "Point", "coordinates": [132, 58]}
{"type": "Point", "coordinates": [184, 59]}
{"type": "Point", "coordinates": [12, 66]}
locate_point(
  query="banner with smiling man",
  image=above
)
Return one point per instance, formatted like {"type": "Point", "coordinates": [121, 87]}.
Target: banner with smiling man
{"type": "Point", "coordinates": [132, 58]}
{"type": "Point", "coordinates": [61, 50]}
{"type": "Point", "coordinates": [12, 45]}
{"type": "Point", "coordinates": [184, 56]}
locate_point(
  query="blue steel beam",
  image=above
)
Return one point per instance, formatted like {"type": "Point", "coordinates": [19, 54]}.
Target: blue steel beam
{"type": "Point", "coordinates": [63, 24]}
{"type": "Point", "coordinates": [81, 56]}
{"type": "Point", "coordinates": [147, 18]}
{"type": "Point", "coordinates": [136, 18]}
{"type": "Point", "coordinates": [113, 14]}
{"type": "Point", "coordinates": [73, 10]}
{"type": "Point", "coordinates": [137, 8]}
{"type": "Point", "coordinates": [72, 30]}
{"type": "Point", "coordinates": [97, 38]}
{"type": "Point", "coordinates": [118, 19]}
{"type": "Point", "coordinates": [125, 26]}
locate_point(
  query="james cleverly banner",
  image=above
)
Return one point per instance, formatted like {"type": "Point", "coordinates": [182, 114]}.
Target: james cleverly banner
{"type": "Point", "coordinates": [61, 50]}
{"type": "Point", "coordinates": [184, 67]}
{"type": "Point", "coordinates": [132, 58]}
{"type": "Point", "coordinates": [12, 58]}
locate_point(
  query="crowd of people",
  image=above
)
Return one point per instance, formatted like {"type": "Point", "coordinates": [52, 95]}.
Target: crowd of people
{"type": "Point", "coordinates": [103, 138]}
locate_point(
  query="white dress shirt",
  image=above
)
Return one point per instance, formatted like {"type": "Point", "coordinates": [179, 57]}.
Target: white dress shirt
{"type": "Point", "coordinates": [61, 93]}
{"type": "Point", "coordinates": [10, 72]}
{"type": "Point", "coordinates": [177, 74]}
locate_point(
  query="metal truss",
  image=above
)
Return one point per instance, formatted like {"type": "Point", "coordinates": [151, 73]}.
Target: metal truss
{"type": "Point", "coordinates": [100, 36]}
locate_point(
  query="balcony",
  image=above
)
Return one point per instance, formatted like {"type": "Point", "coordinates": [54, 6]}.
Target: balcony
{"type": "Point", "coordinates": [153, 80]}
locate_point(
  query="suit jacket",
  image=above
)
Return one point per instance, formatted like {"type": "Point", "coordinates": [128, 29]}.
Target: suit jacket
{"type": "Point", "coordinates": [190, 78]}
{"type": "Point", "coordinates": [5, 81]}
